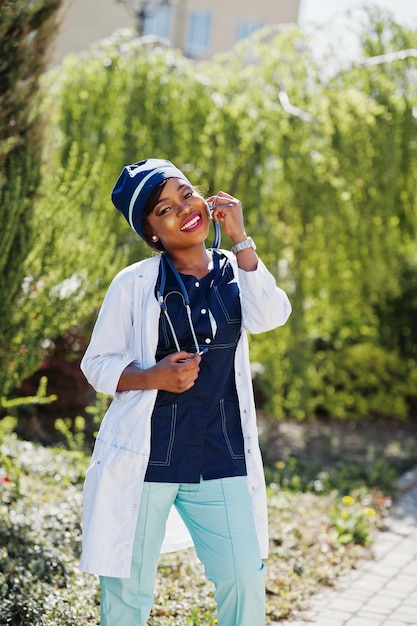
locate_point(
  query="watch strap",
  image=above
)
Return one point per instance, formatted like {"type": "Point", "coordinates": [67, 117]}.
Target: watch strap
{"type": "Point", "coordinates": [242, 245]}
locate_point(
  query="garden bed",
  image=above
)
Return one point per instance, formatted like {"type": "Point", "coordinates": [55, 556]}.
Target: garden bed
{"type": "Point", "coordinates": [316, 534]}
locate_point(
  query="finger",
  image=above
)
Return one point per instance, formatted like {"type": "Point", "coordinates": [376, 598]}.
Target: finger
{"type": "Point", "coordinates": [180, 357]}
{"type": "Point", "coordinates": [222, 199]}
{"type": "Point", "coordinates": [224, 194]}
{"type": "Point", "coordinates": [221, 212]}
{"type": "Point", "coordinates": [192, 362]}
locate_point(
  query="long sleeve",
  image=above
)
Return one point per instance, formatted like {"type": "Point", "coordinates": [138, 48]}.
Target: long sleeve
{"type": "Point", "coordinates": [264, 305]}
{"type": "Point", "coordinates": [108, 352]}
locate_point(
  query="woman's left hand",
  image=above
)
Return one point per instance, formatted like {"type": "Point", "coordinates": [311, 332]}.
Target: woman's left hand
{"type": "Point", "coordinates": [227, 211]}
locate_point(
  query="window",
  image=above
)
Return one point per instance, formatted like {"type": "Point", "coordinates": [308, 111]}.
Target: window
{"type": "Point", "coordinates": [158, 21]}
{"type": "Point", "coordinates": [197, 42]}
{"type": "Point", "coordinates": [246, 28]}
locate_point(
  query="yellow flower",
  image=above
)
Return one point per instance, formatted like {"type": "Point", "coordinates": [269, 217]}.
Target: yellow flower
{"type": "Point", "coordinates": [280, 464]}
{"type": "Point", "coordinates": [344, 515]}
{"type": "Point", "coordinates": [348, 500]}
{"type": "Point", "coordinates": [369, 512]}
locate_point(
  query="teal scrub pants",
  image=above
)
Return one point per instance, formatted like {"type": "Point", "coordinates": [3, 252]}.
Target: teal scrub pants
{"type": "Point", "coordinates": [218, 514]}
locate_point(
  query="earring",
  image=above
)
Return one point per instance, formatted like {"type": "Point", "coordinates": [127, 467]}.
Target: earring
{"type": "Point", "coordinates": [154, 238]}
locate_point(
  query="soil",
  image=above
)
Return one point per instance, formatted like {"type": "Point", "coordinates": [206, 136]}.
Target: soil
{"type": "Point", "coordinates": [330, 442]}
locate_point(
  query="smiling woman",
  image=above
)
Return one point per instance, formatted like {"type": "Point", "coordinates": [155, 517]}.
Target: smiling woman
{"type": "Point", "coordinates": [177, 457]}
{"type": "Point", "coordinates": [179, 210]}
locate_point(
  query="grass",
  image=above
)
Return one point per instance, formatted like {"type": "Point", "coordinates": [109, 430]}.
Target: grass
{"type": "Point", "coordinates": [320, 525]}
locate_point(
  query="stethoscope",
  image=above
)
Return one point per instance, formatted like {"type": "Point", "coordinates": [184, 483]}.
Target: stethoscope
{"type": "Point", "coordinates": [166, 262]}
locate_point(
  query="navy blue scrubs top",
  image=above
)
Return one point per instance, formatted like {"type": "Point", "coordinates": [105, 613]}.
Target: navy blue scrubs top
{"type": "Point", "coordinates": [198, 433]}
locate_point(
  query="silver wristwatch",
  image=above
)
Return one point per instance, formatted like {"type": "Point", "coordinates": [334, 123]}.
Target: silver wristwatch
{"type": "Point", "coordinates": [248, 243]}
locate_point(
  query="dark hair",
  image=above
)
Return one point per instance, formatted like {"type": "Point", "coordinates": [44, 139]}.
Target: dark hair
{"type": "Point", "coordinates": [150, 204]}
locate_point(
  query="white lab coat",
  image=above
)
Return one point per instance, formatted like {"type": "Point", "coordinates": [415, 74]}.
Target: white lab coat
{"type": "Point", "coordinates": [126, 332]}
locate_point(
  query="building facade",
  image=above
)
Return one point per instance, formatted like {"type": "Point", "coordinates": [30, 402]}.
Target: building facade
{"type": "Point", "coordinates": [200, 28]}
{"type": "Point", "coordinates": [204, 27]}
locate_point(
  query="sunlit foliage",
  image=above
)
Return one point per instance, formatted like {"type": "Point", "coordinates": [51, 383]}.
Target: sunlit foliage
{"type": "Point", "coordinates": [325, 166]}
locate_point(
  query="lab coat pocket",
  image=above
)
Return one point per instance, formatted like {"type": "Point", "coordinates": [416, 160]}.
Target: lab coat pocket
{"type": "Point", "coordinates": [113, 474]}
{"type": "Point", "coordinates": [112, 492]}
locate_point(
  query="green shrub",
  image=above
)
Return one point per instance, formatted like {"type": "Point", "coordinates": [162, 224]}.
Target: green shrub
{"type": "Point", "coordinates": [362, 381]}
{"type": "Point", "coordinates": [296, 475]}
{"type": "Point", "coordinates": [352, 521]}
{"type": "Point", "coordinates": [40, 536]}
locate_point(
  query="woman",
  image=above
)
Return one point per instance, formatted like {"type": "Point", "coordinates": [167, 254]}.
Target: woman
{"type": "Point", "coordinates": [180, 436]}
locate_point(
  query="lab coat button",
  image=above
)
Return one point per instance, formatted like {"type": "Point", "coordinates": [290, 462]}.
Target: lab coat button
{"type": "Point", "coordinates": [126, 545]}
{"type": "Point", "coordinates": [208, 340]}
{"type": "Point", "coordinates": [197, 284]}
{"type": "Point", "coordinates": [203, 311]}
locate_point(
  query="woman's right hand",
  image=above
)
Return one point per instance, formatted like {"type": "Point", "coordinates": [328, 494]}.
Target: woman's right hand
{"type": "Point", "coordinates": [175, 373]}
